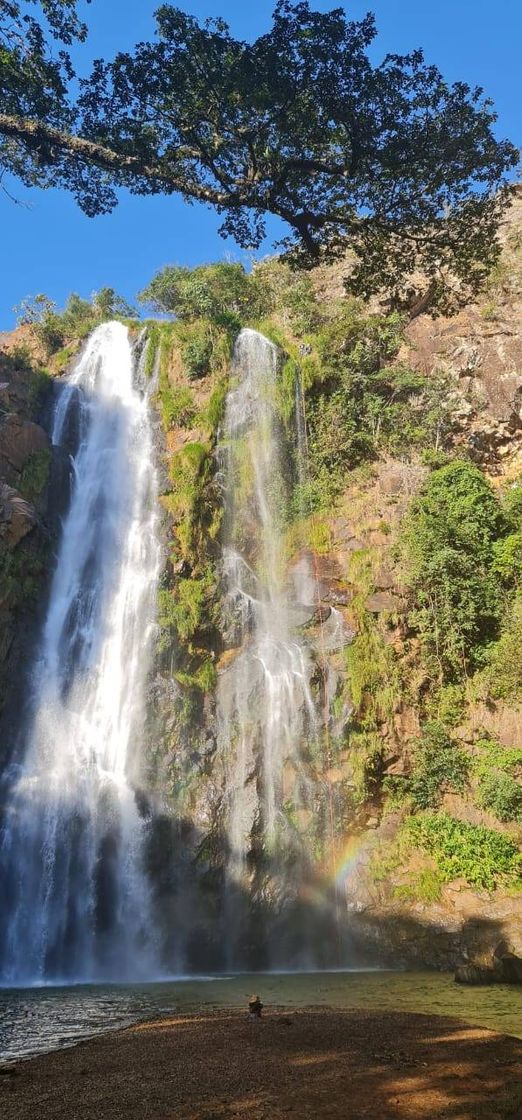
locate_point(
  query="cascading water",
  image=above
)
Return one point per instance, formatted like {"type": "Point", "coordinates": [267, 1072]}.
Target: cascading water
{"type": "Point", "coordinates": [75, 899]}
{"type": "Point", "coordinates": [268, 725]}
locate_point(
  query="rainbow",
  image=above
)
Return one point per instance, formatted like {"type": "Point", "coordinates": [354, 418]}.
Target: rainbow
{"type": "Point", "coordinates": [346, 859]}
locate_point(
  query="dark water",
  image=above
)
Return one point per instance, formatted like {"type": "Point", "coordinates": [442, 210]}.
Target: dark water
{"type": "Point", "coordinates": [36, 1020]}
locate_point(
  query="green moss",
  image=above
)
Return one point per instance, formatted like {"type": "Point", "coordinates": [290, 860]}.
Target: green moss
{"type": "Point", "coordinates": [202, 678]}
{"type": "Point", "coordinates": [421, 886]}
{"type": "Point", "coordinates": [35, 474]}
{"type": "Point", "coordinates": [366, 753]}
{"type": "Point", "coordinates": [21, 572]}
{"type": "Point", "coordinates": [64, 356]}
{"type": "Point", "coordinates": [191, 601]}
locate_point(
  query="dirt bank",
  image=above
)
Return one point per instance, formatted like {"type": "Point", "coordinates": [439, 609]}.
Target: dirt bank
{"type": "Point", "coordinates": [308, 1064]}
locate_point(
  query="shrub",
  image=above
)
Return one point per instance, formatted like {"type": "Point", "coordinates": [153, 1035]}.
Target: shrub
{"type": "Point", "coordinates": [481, 856]}
{"type": "Point", "coordinates": [501, 795]}
{"type": "Point", "coordinates": [211, 291]}
{"type": "Point", "coordinates": [496, 767]}
{"type": "Point", "coordinates": [438, 765]}
{"type": "Point", "coordinates": [503, 672]}
{"type": "Point", "coordinates": [448, 549]}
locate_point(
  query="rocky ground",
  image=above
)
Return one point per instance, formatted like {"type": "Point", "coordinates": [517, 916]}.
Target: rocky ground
{"type": "Point", "coordinates": [310, 1064]}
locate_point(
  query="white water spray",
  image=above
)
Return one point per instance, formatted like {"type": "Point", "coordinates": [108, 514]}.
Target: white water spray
{"type": "Point", "coordinates": [76, 900]}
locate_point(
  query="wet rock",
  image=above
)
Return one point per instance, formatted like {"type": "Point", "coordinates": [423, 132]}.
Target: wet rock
{"type": "Point", "coordinates": [511, 967]}
{"type": "Point", "coordinates": [474, 974]}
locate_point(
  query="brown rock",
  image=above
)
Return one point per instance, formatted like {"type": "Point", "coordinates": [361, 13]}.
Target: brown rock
{"type": "Point", "coordinates": [18, 440]}
{"type": "Point", "coordinates": [383, 601]}
{"type": "Point", "coordinates": [17, 516]}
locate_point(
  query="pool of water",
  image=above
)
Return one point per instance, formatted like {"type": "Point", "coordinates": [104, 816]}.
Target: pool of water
{"type": "Point", "coordinates": [36, 1020]}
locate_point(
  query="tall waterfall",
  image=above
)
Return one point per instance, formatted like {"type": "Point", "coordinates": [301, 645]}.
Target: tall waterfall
{"type": "Point", "coordinates": [268, 725]}
{"type": "Point", "coordinates": [75, 901]}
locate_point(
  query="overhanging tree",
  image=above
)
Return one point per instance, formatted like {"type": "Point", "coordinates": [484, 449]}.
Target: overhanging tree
{"type": "Point", "coordinates": [388, 161]}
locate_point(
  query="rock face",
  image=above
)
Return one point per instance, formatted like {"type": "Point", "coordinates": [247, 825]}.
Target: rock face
{"type": "Point", "coordinates": [25, 462]}
{"type": "Point", "coordinates": [480, 353]}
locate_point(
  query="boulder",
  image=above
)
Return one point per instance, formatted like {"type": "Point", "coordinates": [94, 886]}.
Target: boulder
{"type": "Point", "coordinates": [383, 601]}
{"type": "Point", "coordinates": [475, 974]}
{"type": "Point", "coordinates": [511, 967]}
{"type": "Point", "coordinates": [504, 970]}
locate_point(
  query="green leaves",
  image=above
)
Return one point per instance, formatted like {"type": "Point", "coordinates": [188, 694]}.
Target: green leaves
{"type": "Point", "coordinates": [448, 549]}
{"type": "Point", "coordinates": [388, 161]}
{"type": "Point", "coordinates": [483, 857]}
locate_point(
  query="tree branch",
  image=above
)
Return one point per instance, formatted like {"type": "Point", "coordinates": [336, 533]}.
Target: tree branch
{"type": "Point", "coordinates": [34, 133]}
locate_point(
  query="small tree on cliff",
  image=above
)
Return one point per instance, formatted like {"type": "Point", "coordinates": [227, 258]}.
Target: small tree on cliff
{"type": "Point", "coordinates": [388, 161]}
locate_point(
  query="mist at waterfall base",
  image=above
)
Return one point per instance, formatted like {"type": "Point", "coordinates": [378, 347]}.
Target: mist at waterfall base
{"type": "Point", "coordinates": [79, 902]}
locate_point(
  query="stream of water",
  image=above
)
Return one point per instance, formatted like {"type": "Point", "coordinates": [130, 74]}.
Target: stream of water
{"type": "Point", "coordinates": [74, 896]}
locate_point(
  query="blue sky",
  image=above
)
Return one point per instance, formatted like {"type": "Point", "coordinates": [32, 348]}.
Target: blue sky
{"type": "Point", "coordinates": [51, 247]}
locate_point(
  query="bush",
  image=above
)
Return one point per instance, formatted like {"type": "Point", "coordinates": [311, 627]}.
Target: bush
{"type": "Point", "coordinates": [501, 795]}
{"type": "Point", "coordinates": [503, 673]}
{"type": "Point", "coordinates": [197, 350]}
{"type": "Point", "coordinates": [496, 768]}
{"type": "Point", "coordinates": [438, 765]}
{"type": "Point", "coordinates": [211, 291]}
{"type": "Point", "coordinates": [483, 857]}
{"type": "Point", "coordinates": [448, 549]}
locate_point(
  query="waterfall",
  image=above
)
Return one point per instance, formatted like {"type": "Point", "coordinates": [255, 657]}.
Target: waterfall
{"type": "Point", "coordinates": [268, 727]}
{"type": "Point", "coordinates": [75, 902]}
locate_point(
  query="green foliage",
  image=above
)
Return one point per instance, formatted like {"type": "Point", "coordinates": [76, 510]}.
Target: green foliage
{"type": "Point", "coordinates": [421, 886]}
{"type": "Point", "coordinates": [190, 600]}
{"type": "Point", "coordinates": [504, 667]}
{"type": "Point", "coordinates": [371, 668]}
{"type": "Point", "coordinates": [221, 293]}
{"type": "Point", "coordinates": [21, 572]}
{"type": "Point", "coordinates": [512, 506]}
{"type": "Point", "coordinates": [178, 406]}
{"type": "Point", "coordinates": [203, 677]}
{"type": "Point", "coordinates": [501, 795]}
{"type": "Point", "coordinates": [53, 328]}
{"type": "Point", "coordinates": [360, 405]}
{"type": "Point", "coordinates": [507, 559]}
{"type": "Point", "coordinates": [447, 705]}
{"type": "Point", "coordinates": [199, 113]}
{"type": "Point", "coordinates": [40, 313]}
{"type": "Point", "coordinates": [213, 412]}
{"type": "Point", "coordinates": [448, 548]}
{"type": "Point", "coordinates": [35, 474]}
{"type": "Point", "coordinates": [439, 765]}
{"type": "Point", "coordinates": [198, 348]}
{"type": "Point", "coordinates": [496, 768]}
{"type": "Point", "coordinates": [366, 753]}
{"type": "Point", "coordinates": [483, 857]}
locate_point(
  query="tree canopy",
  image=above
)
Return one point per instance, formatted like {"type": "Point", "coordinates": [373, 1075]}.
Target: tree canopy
{"type": "Point", "coordinates": [388, 161]}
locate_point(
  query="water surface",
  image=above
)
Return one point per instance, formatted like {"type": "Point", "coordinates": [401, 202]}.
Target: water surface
{"type": "Point", "coordinates": [36, 1020]}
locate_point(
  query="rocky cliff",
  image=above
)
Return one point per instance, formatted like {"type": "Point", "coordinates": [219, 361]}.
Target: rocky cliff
{"type": "Point", "coordinates": [410, 518]}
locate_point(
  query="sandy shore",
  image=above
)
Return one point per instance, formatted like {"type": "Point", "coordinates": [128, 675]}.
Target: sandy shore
{"type": "Point", "coordinates": [308, 1064]}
